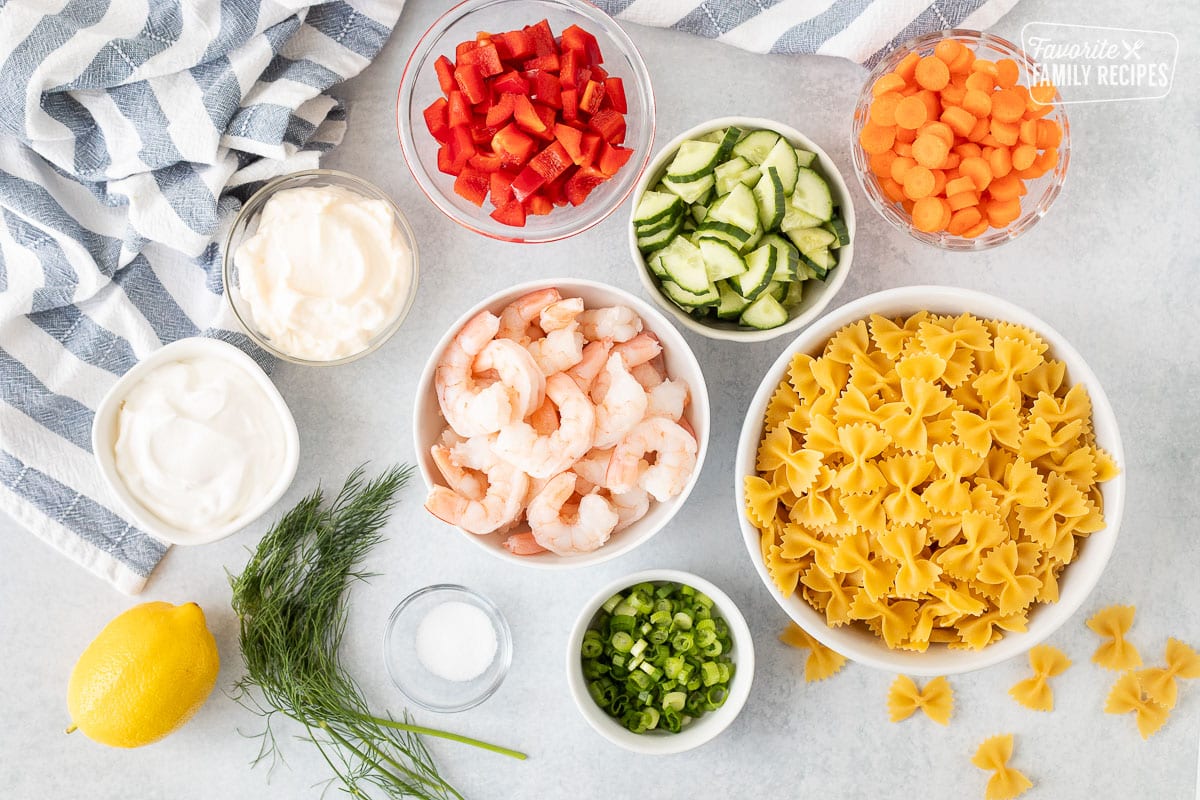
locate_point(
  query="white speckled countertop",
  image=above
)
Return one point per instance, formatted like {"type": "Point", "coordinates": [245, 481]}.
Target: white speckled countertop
{"type": "Point", "coordinates": [1113, 267]}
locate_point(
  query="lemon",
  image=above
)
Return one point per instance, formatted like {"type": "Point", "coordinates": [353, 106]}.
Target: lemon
{"type": "Point", "coordinates": [145, 675]}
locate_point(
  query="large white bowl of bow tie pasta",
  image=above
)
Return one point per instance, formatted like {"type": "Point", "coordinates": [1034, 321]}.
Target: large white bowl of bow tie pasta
{"type": "Point", "coordinates": [929, 480]}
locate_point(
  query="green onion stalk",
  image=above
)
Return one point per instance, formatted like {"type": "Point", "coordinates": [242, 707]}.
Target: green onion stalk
{"type": "Point", "coordinates": [290, 602]}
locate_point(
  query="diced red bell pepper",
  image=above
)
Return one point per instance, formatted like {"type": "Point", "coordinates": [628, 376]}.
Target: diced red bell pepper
{"type": "Point", "coordinates": [598, 73]}
{"type": "Point", "coordinates": [482, 134]}
{"type": "Point", "coordinates": [470, 80]}
{"type": "Point", "coordinates": [462, 147]}
{"type": "Point", "coordinates": [609, 124]}
{"type": "Point", "coordinates": [485, 162]}
{"type": "Point", "coordinates": [483, 37]}
{"type": "Point", "coordinates": [514, 45]}
{"type": "Point", "coordinates": [568, 71]}
{"type": "Point", "coordinates": [512, 145]}
{"type": "Point", "coordinates": [542, 38]}
{"type": "Point", "coordinates": [445, 74]}
{"type": "Point", "coordinates": [551, 162]}
{"type": "Point", "coordinates": [581, 184]}
{"type": "Point", "coordinates": [437, 120]}
{"type": "Point", "coordinates": [511, 213]}
{"type": "Point", "coordinates": [614, 91]}
{"type": "Point", "coordinates": [571, 139]}
{"type": "Point", "coordinates": [570, 105]}
{"type": "Point", "coordinates": [549, 62]}
{"type": "Point", "coordinates": [459, 109]}
{"type": "Point", "coordinates": [445, 161]}
{"type": "Point", "coordinates": [612, 158]}
{"type": "Point", "coordinates": [501, 187]}
{"type": "Point", "coordinates": [593, 95]}
{"type": "Point", "coordinates": [527, 182]}
{"type": "Point", "coordinates": [511, 82]}
{"type": "Point", "coordinates": [538, 205]}
{"type": "Point", "coordinates": [526, 116]}
{"type": "Point", "coordinates": [576, 38]}
{"type": "Point", "coordinates": [549, 117]}
{"type": "Point", "coordinates": [546, 87]}
{"type": "Point", "coordinates": [472, 184]}
{"type": "Point", "coordinates": [590, 149]}
{"type": "Point", "coordinates": [486, 58]}
{"type": "Point", "coordinates": [463, 48]}
{"type": "Point", "coordinates": [501, 111]}
{"type": "Point", "coordinates": [555, 190]}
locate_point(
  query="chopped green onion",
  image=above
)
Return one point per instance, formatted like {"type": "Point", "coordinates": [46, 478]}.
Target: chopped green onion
{"type": "Point", "coordinates": [622, 622]}
{"type": "Point", "coordinates": [638, 648]}
{"type": "Point", "coordinates": [661, 617]}
{"type": "Point", "coordinates": [682, 621]}
{"type": "Point", "coordinates": [612, 603]}
{"type": "Point", "coordinates": [621, 641]}
{"type": "Point", "coordinates": [592, 647]}
{"type": "Point", "coordinates": [674, 700]}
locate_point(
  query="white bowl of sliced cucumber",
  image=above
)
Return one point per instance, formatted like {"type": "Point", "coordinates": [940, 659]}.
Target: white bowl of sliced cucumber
{"type": "Point", "coordinates": [742, 229]}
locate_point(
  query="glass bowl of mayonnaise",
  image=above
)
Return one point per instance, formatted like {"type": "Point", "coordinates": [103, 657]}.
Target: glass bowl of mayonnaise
{"type": "Point", "coordinates": [320, 267]}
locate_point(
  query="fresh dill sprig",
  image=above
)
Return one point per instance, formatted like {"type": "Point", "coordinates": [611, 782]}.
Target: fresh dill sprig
{"type": "Point", "coordinates": [291, 607]}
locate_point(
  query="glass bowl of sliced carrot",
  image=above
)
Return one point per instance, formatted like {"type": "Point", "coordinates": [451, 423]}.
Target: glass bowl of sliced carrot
{"type": "Point", "coordinates": [958, 142]}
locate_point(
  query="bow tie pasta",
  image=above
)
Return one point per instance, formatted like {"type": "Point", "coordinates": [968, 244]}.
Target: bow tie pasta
{"type": "Point", "coordinates": [928, 478]}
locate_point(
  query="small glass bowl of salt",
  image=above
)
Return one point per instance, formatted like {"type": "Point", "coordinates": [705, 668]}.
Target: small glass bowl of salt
{"type": "Point", "coordinates": [447, 648]}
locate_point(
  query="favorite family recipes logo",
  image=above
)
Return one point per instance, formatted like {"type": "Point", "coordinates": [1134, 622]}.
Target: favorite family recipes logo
{"type": "Point", "coordinates": [1091, 64]}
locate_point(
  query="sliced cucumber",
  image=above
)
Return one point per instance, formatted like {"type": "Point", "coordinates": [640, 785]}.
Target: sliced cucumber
{"type": "Point", "coordinates": [728, 140]}
{"type": "Point", "coordinates": [795, 294]}
{"type": "Point", "coordinates": [650, 243]}
{"type": "Point", "coordinates": [764, 313]}
{"type": "Point", "coordinates": [751, 176]}
{"type": "Point", "coordinates": [721, 259]}
{"type": "Point", "coordinates": [810, 240]}
{"type": "Point", "coordinates": [689, 191]}
{"type": "Point", "coordinates": [795, 218]}
{"type": "Point", "coordinates": [818, 262]}
{"type": "Point", "coordinates": [805, 158]}
{"type": "Point", "coordinates": [787, 258]}
{"type": "Point", "coordinates": [777, 289]}
{"type": "Point", "coordinates": [693, 161]}
{"type": "Point", "coordinates": [760, 269]}
{"type": "Point", "coordinates": [727, 174]}
{"type": "Point", "coordinates": [772, 203]}
{"type": "Point", "coordinates": [654, 262]}
{"type": "Point", "coordinates": [654, 207]}
{"type": "Point", "coordinates": [837, 226]}
{"type": "Point", "coordinates": [684, 265]}
{"type": "Point", "coordinates": [782, 158]}
{"type": "Point", "coordinates": [738, 208]}
{"type": "Point", "coordinates": [687, 300]}
{"type": "Point", "coordinates": [755, 145]}
{"type": "Point", "coordinates": [812, 195]}
{"type": "Point", "coordinates": [731, 304]}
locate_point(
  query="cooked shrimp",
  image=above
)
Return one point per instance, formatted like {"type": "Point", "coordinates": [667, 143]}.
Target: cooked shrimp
{"type": "Point", "coordinates": [630, 507]}
{"type": "Point", "coordinates": [592, 466]}
{"type": "Point", "coordinates": [518, 315]}
{"type": "Point", "coordinates": [560, 314]}
{"type": "Point", "coordinates": [641, 349]}
{"type": "Point", "coordinates": [622, 405]}
{"type": "Point", "coordinates": [595, 354]}
{"type": "Point", "coordinates": [668, 399]}
{"type": "Point", "coordinates": [675, 459]}
{"type": "Point", "coordinates": [501, 503]}
{"type": "Point", "coordinates": [548, 455]}
{"type": "Point", "coordinates": [544, 418]}
{"type": "Point", "coordinates": [518, 373]}
{"type": "Point", "coordinates": [467, 482]}
{"type": "Point", "coordinates": [647, 375]}
{"type": "Point", "coordinates": [468, 406]}
{"type": "Point", "coordinates": [477, 452]}
{"type": "Point", "coordinates": [558, 350]}
{"type": "Point", "coordinates": [618, 323]}
{"type": "Point", "coordinates": [563, 528]}
{"type": "Point", "coordinates": [523, 544]}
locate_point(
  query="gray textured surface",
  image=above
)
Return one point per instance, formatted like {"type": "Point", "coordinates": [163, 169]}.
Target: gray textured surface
{"type": "Point", "coordinates": [1113, 267]}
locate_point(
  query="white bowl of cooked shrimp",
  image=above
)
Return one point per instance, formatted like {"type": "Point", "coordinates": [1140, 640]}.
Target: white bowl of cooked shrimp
{"type": "Point", "coordinates": [560, 423]}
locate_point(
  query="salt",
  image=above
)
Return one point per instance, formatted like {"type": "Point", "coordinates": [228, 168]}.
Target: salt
{"type": "Point", "coordinates": [456, 641]}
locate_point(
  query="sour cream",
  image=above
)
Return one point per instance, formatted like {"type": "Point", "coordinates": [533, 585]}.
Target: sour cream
{"type": "Point", "coordinates": [199, 443]}
{"type": "Point", "coordinates": [327, 270]}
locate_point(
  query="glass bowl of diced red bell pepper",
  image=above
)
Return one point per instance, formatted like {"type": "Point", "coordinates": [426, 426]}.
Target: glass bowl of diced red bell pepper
{"type": "Point", "coordinates": [526, 120]}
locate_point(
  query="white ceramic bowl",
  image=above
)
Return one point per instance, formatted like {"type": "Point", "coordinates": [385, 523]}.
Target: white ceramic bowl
{"type": "Point", "coordinates": [681, 363]}
{"type": "Point", "coordinates": [1078, 579]}
{"type": "Point", "coordinates": [817, 294]}
{"type": "Point", "coordinates": [699, 730]}
{"type": "Point", "coordinates": [104, 437]}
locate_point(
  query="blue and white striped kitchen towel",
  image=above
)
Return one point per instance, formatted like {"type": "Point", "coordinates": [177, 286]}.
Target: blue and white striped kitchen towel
{"type": "Point", "coordinates": [860, 30]}
{"type": "Point", "coordinates": [130, 132]}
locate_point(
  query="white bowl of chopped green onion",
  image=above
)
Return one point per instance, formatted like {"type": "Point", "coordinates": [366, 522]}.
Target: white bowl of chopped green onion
{"type": "Point", "coordinates": [742, 229]}
{"type": "Point", "coordinates": [660, 661]}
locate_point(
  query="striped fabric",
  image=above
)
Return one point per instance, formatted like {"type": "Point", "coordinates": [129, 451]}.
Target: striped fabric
{"type": "Point", "coordinates": [860, 30]}
{"type": "Point", "coordinates": [130, 133]}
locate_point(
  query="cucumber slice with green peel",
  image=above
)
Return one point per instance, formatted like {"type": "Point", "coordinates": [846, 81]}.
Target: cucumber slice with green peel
{"type": "Point", "coordinates": [760, 269]}
{"type": "Point", "coordinates": [837, 226]}
{"type": "Point", "coordinates": [712, 136]}
{"type": "Point", "coordinates": [654, 262]}
{"type": "Point", "coordinates": [650, 243]}
{"type": "Point", "coordinates": [721, 259]}
{"type": "Point", "coordinates": [795, 294]}
{"type": "Point", "coordinates": [751, 176]}
{"type": "Point", "coordinates": [772, 203]}
{"type": "Point", "coordinates": [693, 161]}
{"type": "Point", "coordinates": [755, 145]}
{"type": "Point", "coordinates": [652, 228]}
{"type": "Point", "coordinates": [753, 241]}
{"type": "Point", "coordinates": [685, 266]}
{"type": "Point", "coordinates": [723, 230]}
{"type": "Point", "coordinates": [698, 213]}
{"type": "Point", "coordinates": [795, 218]}
{"type": "Point", "coordinates": [730, 138]}
{"type": "Point", "coordinates": [738, 208]}
{"type": "Point", "coordinates": [782, 159]}
{"type": "Point", "coordinates": [777, 289]}
{"type": "Point", "coordinates": [812, 195]}
{"type": "Point", "coordinates": [654, 207]}
{"type": "Point", "coordinates": [731, 304]}
{"type": "Point", "coordinates": [809, 240]}
{"type": "Point", "coordinates": [764, 313]}
{"type": "Point", "coordinates": [818, 262]}
{"type": "Point", "coordinates": [787, 258]}
{"type": "Point", "coordinates": [727, 174]}
{"type": "Point", "coordinates": [805, 158]}
{"type": "Point", "coordinates": [687, 300]}
{"type": "Point", "coordinates": [689, 191]}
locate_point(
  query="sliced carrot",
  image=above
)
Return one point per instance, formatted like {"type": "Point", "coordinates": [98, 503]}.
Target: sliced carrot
{"type": "Point", "coordinates": [948, 50]}
{"type": "Point", "coordinates": [939, 182]}
{"type": "Point", "coordinates": [977, 102]}
{"type": "Point", "coordinates": [953, 95]}
{"type": "Point", "coordinates": [908, 66]}
{"type": "Point", "coordinates": [1048, 134]}
{"type": "Point", "coordinates": [989, 143]}
{"type": "Point", "coordinates": [971, 233]}
{"type": "Point", "coordinates": [940, 130]}
{"type": "Point", "coordinates": [1008, 105]}
{"type": "Point", "coordinates": [962, 200]}
{"type": "Point", "coordinates": [918, 182]}
{"type": "Point", "coordinates": [876, 138]}
{"type": "Point", "coordinates": [900, 166]}
{"type": "Point", "coordinates": [910, 89]}
{"type": "Point", "coordinates": [977, 170]}
{"type": "Point", "coordinates": [964, 219]}
{"type": "Point", "coordinates": [932, 73]}
{"type": "Point", "coordinates": [905, 136]}
{"type": "Point", "coordinates": [1006, 133]}
{"type": "Point", "coordinates": [1043, 93]}
{"type": "Point", "coordinates": [1007, 73]}
{"type": "Point", "coordinates": [1028, 131]}
{"type": "Point", "coordinates": [1000, 160]}
{"type": "Point", "coordinates": [951, 162]}
{"type": "Point", "coordinates": [946, 214]}
{"type": "Point", "coordinates": [881, 163]}
{"type": "Point", "coordinates": [893, 190]}
{"type": "Point", "coordinates": [960, 120]}
{"type": "Point", "coordinates": [911, 113]}
{"type": "Point", "coordinates": [985, 66]}
{"type": "Point", "coordinates": [927, 214]}
{"type": "Point", "coordinates": [933, 103]}
{"type": "Point", "coordinates": [968, 149]}
{"type": "Point", "coordinates": [930, 151]}
{"type": "Point", "coordinates": [959, 185]}
{"type": "Point", "coordinates": [1030, 174]}
{"type": "Point", "coordinates": [962, 64]}
{"type": "Point", "coordinates": [981, 81]}
{"type": "Point", "coordinates": [1047, 160]}
{"type": "Point", "coordinates": [1001, 212]}
{"type": "Point", "coordinates": [889, 82]}
{"type": "Point", "coordinates": [1023, 156]}
{"type": "Point", "coordinates": [904, 148]}
{"type": "Point", "coordinates": [1010, 187]}
{"type": "Point", "coordinates": [907, 205]}
{"type": "Point", "coordinates": [883, 108]}
{"type": "Point", "coordinates": [979, 131]}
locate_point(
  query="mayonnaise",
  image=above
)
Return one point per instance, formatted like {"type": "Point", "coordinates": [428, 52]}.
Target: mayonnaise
{"type": "Point", "coordinates": [199, 443]}
{"type": "Point", "coordinates": [325, 272]}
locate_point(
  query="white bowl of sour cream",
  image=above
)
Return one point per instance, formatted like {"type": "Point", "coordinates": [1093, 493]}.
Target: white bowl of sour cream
{"type": "Point", "coordinates": [195, 441]}
{"type": "Point", "coordinates": [320, 267]}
